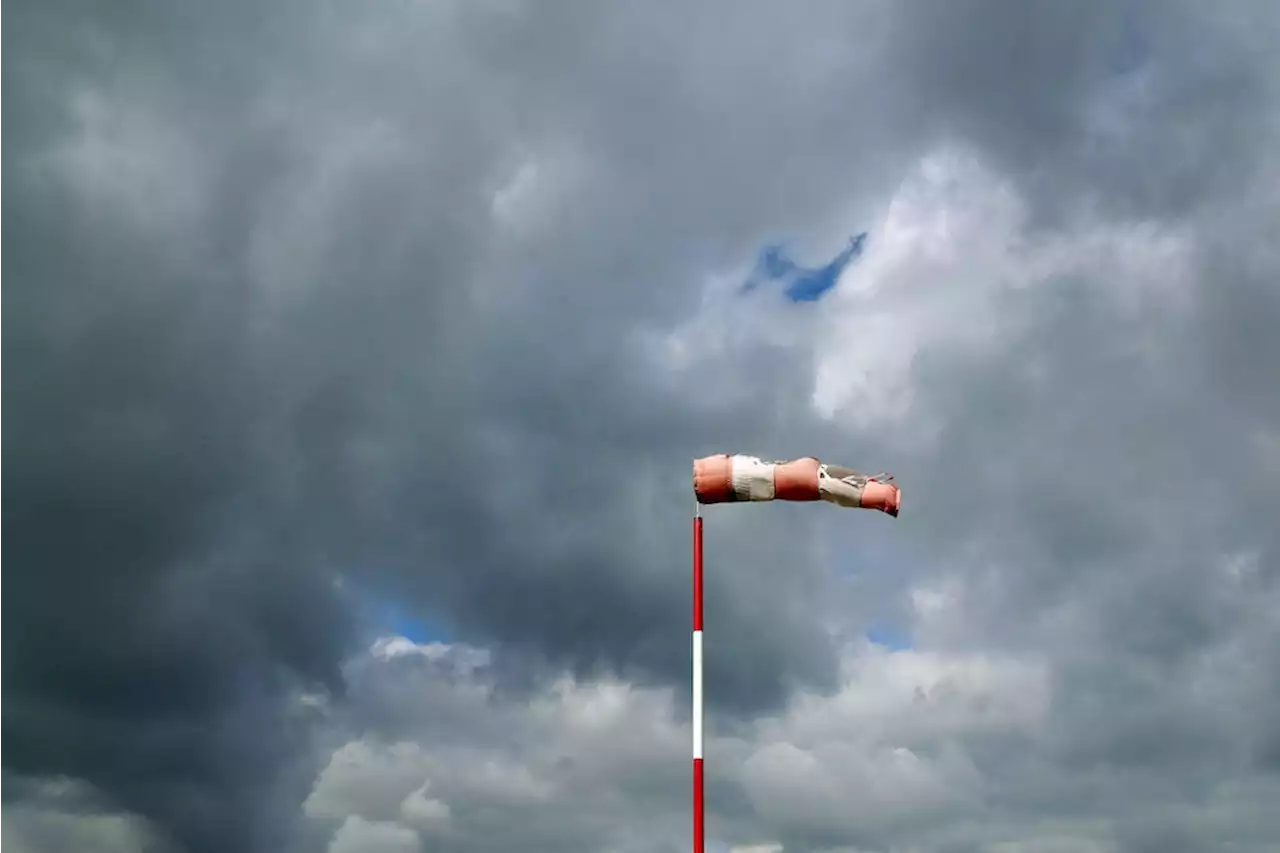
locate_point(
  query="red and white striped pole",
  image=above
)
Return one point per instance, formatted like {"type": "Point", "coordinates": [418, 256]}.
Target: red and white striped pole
{"type": "Point", "coordinates": [698, 825]}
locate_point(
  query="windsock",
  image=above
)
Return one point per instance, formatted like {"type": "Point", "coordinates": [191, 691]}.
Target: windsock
{"type": "Point", "coordinates": [726, 479]}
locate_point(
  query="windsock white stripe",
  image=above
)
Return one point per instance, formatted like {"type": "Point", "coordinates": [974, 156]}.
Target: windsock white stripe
{"type": "Point", "coordinates": [697, 694]}
{"type": "Point", "coordinates": [752, 479]}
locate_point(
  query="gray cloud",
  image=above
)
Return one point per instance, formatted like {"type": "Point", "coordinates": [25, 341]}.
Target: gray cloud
{"type": "Point", "coordinates": [309, 306]}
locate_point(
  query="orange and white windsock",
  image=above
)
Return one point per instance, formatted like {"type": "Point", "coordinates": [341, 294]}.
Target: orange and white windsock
{"type": "Point", "coordinates": [726, 479]}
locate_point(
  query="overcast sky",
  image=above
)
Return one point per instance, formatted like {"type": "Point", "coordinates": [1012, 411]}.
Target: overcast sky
{"type": "Point", "coordinates": [357, 353]}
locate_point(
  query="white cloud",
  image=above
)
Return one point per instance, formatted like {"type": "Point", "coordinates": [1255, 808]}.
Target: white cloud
{"type": "Point", "coordinates": [63, 814]}
{"type": "Point", "coordinates": [357, 835]}
{"type": "Point", "coordinates": [423, 812]}
{"type": "Point", "coordinates": [939, 279]}
{"type": "Point", "coordinates": [367, 779]}
{"type": "Point", "coordinates": [589, 758]}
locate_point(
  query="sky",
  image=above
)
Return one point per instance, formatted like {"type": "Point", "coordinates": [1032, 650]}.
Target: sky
{"type": "Point", "coordinates": [358, 354]}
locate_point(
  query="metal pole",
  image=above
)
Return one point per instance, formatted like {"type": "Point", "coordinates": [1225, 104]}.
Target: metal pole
{"type": "Point", "coordinates": [698, 824]}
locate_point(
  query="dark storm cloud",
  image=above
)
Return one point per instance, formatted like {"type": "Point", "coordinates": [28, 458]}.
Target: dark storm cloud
{"type": "Point", "coordinates": [266, 332]}
{"type": "Point", "coordinates": [147, 649]}
{"type": "Point", "coordinates": [230, 381]}
{"type": "Point", "coordinates": [139, 654]}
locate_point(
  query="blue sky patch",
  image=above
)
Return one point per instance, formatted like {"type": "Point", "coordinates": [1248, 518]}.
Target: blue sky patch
{"type": "Point", "coordinates": [801, 284]}
{"type": "Point", "coordinates": [384, 615]}
{"type": "Point", "coordinates": [890, 638]}
{"type": "Point", "coordinates": [414, 628]}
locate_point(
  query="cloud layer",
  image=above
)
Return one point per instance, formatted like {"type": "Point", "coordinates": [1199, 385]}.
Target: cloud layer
{"type": "Point", "coordinates": [432, 304]}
